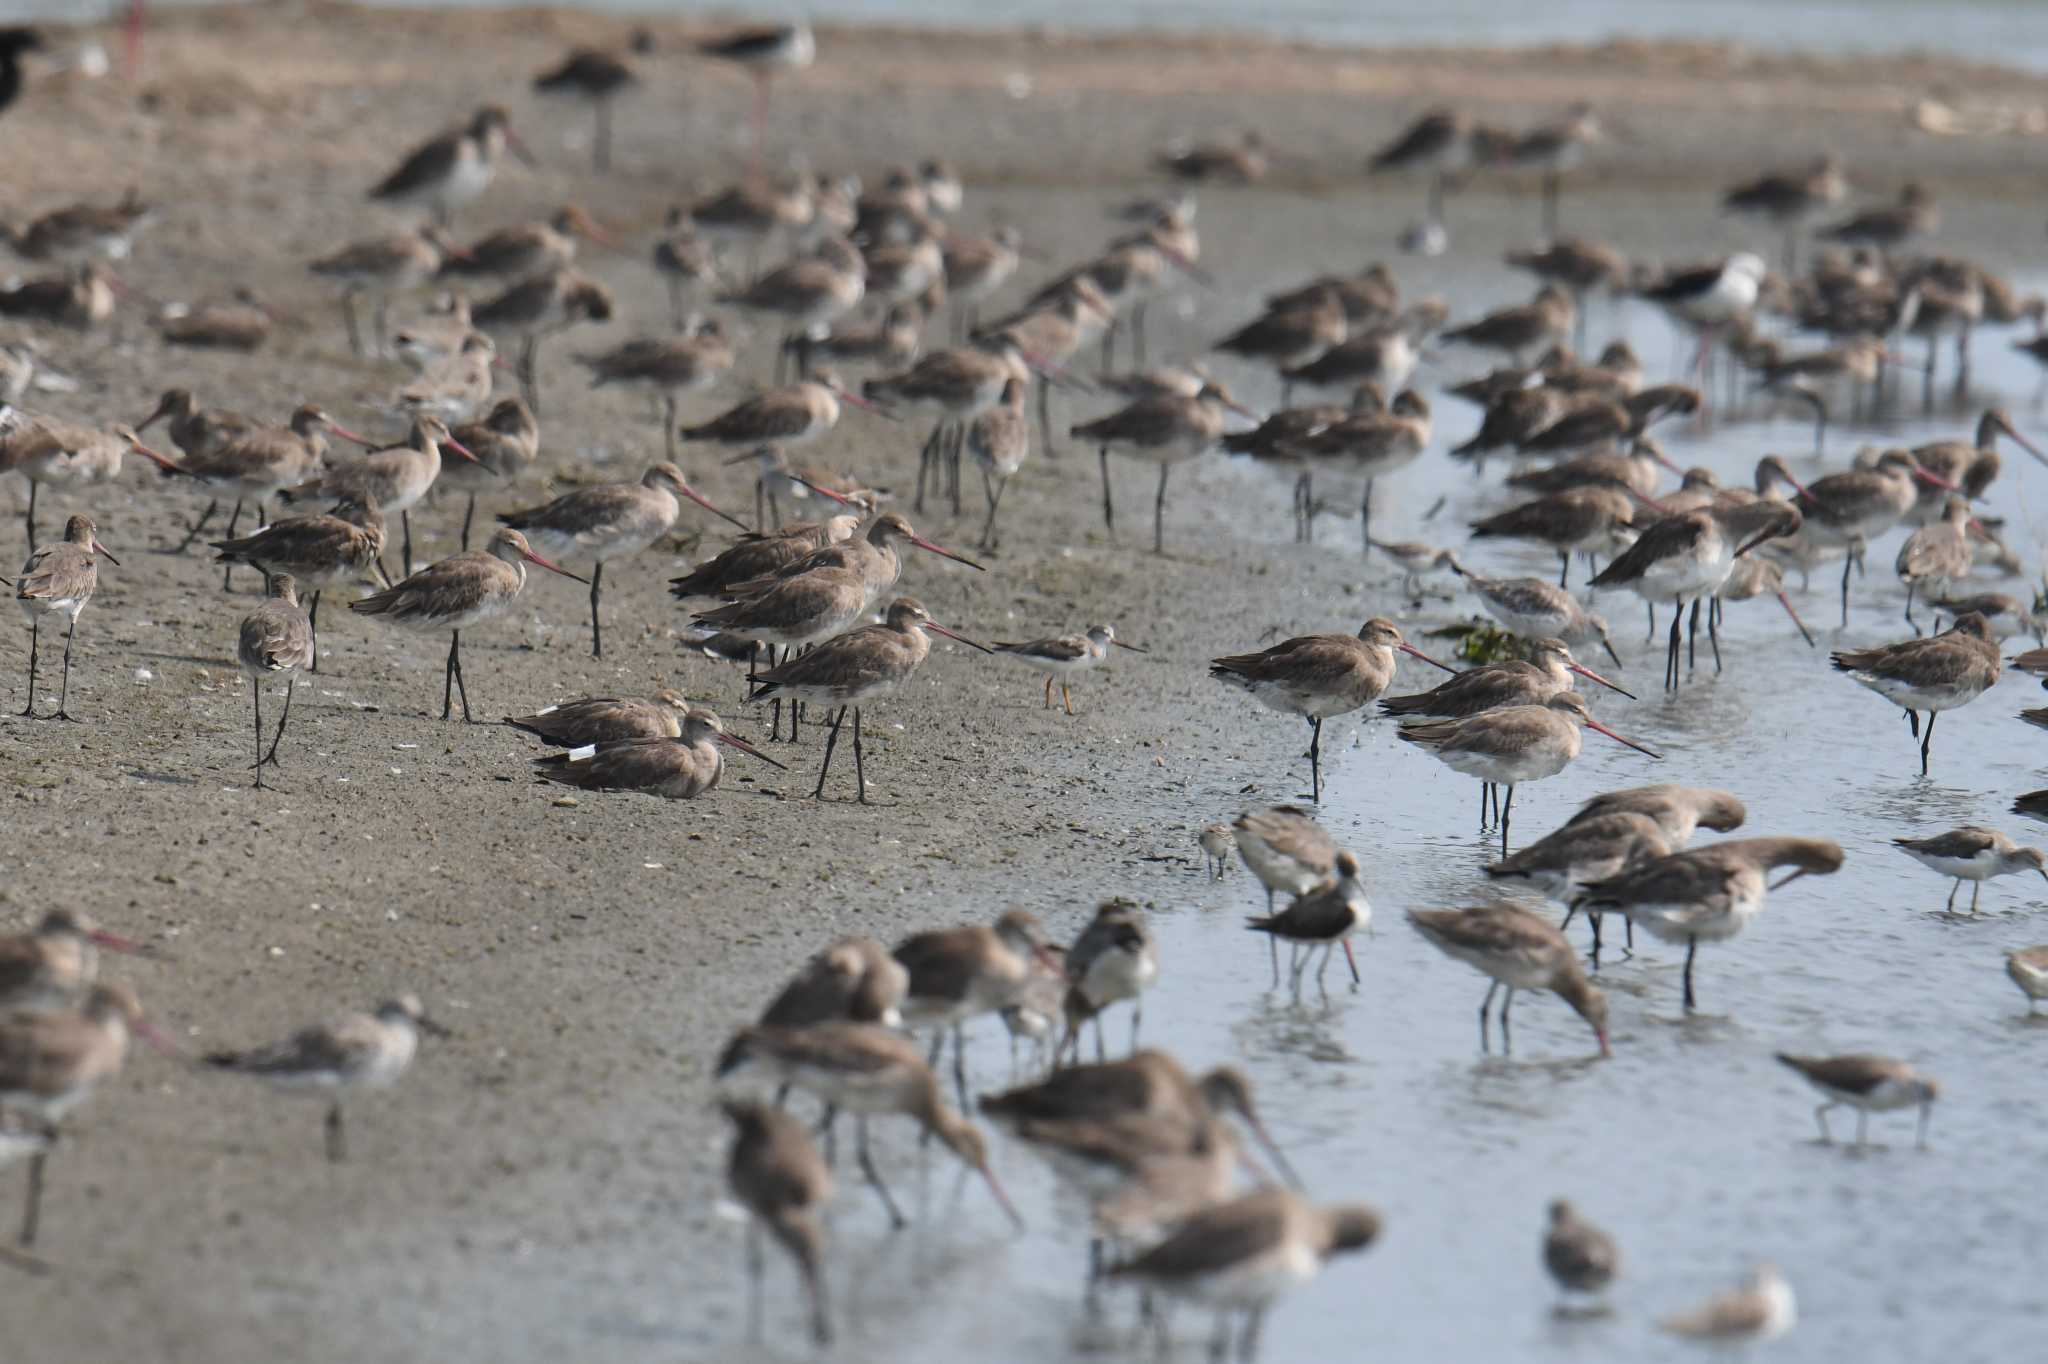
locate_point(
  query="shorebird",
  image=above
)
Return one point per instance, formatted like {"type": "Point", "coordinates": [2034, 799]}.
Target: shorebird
{"type": "Point", "coordinates": [340, 546]}
{"type": "Point", "coordinates": [1937, 557]}
{"type": "Point", "coordinates": [999, 440]}
{"type": "Point", "coordinates": [810, 293]}
{"type": "Point", "coordinates": [1554, 148]}
{"type": "Point", "coordinates": [80, 230]}
{"type": "Point", "coordinates": [792, 415]}
{"type": "Point", "coordinates": [1243, 1255]}
{"type": "Point", "coordinates": [1579, 264]}
{"type": "Point", "coordinates": [51, 1061]}
{"type": "Point", "coordinates": [776, 1174]}
{"type": "Point", "coordinates": [527, 249]}
{"type": "Point", "coordinates": [1318, 676]}
{"type": "Point", "coordinates": [753, 212]}
{"type": "Point", "coordinates": [1691, 555]}
{"type": "Point", "coordinates": [1064, 655]}
{"type": "Point", "coordinates": [59, 578]}
{"type": "Point", "coordinates": [680, 768]}
{"type": "Point", "coordinates": [1852, 508]}
{"type": "Point", "coordinates": [1915, 214]}
{"type": "Point", "coordinates": [392, 478]}
{"type": "Point", "coordinates": [539, 305]}
{"type": "Point", "coordinates": [609, 521]}
{"type": "Point", "coordinates": [1519, 950]}
{"type": "Point", "coordinates": [61, 454]}
{"type": "Point", "coordinates": [505, 442]}
{"type": "Point", "coordinates": [1164, 430]}
{"type": "Point", "coordinates": [1417, 559]}
{"type": "Point", "coordinates": [684, 260]}
{"type": "Point", "coordinates": [960, 384]}
{"type": "Point", "coordinates": [1512, 745]}
{"type": "Point", "coordinates": [1972, 853]}
{"type": "Point", "coordinates": [457, 593]}
{"type": "Point", "coordinates": [853, 668]}
{"type": "Point", "coordinates": [1710, 297]}
{"type": "Point", "coordinates": [1934, 674]}
{"type": "Point", "coordinates": [956, 974]}
{"type": "Point", "coordinates": [1580, 1257]}
{"type": "Point", "coordinates": [1678, 810]}
{"type": "Point", "coordinates": [55, 963]}
{"type": "Point", "coordinates": [1762, 1309]}
{"type": "Point", "coordinates": [1971, 465]}
{"type": "Point", "coordinates": [1535, 609]}
{"type": "Point", "coordinates": [1370, 446]}
{"type": "Point", "coordinates": [1288, 340]}
{"type": "Point", "coordinates": [1438, 142]}
{"type": "Point", "coordinates": [758, 556]}
{"type": "Point", "coordinates": [1326, 915]}
{"type": "Point", "coordinates": [1217, 843]}
{"type": "Point", "coordinates": [1635, 472]}
{"type": "Point", "coordinates": [1548, 671]}
{"type": "Point", "coordinates": [867, 1070]}
{"type": "Point", "coordinates": [454, 168]}
{"type": "Point", "coordinates": [1115, 958]}
{"type": "Point", "coordinates": [358, 1051]}
{"type": "Point", "coordinates": [276, 640]}
{"type": "Point", "coordinates": [606, 719]}
{"type": "Point", "coordinates": [853, 980]}
{"type": "Point", "coordinates": [1790, 199]}
{"type": "Point", "coordinates": [762, 52]}
{"type": "Point", "coordinates": [667, 367]}
{"type": "Point", "coordinates": [1286, 850]}
{"type": "Point", "coordinates": [2028, 968]}
{"type": "Point", "coordinates": [1708, 894]}
{"type": "Point", "coordinates": [455, 388]}
{"type": "Point", "coordinates": [887, 343]}
{"type": "Point", "coordinates": [1567, 860]}
{"type": "Point", "coordinates": [81, 297]}
{"type": "Point", "coordinates": [1582, 520]}
{"type": "Point", "coordinates": [1868, 1084]}
{"type": "Point", "coordinates": [381, 268]}
{"type": "Point", "coordinates": [1238, 162]}
{"type": "Point", "coordinates": [597, 78]}
{"type": "Point", "coordinates": [977, 265]}
{"type": "Point", "coordinates": [1545, 319]}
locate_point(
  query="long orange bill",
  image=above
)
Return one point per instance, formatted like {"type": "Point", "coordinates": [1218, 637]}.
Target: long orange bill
{"type": "Point", "coordinates": [743, 746]}
{"type": "Point", "coordinates": [1926, 475]}
{"type": "Point", "coordinates": [705, 503]}
{"type": "Point", "coordinates": [942, 630]}
{"type": "Point", "coordinates": [99, 548]}
{"type": "Point", "coordinates": [995, 1187]}
{"type": "Point", "coordinates": [2027, 445]}
{"type": "Point", "coordinates": [1405, 647]}
{"type": "Point", "coordinates": [1599, 728]}
{"type": "Point", "coordinates": [338, 429]}
{"type": "Point", "coordinates": [114, 942]}
{"type": "Point", "coordinates": [1645, 448]}
{"type": "Point", "coordinates": [459, 448]}
{"type": "Point", "coordinates": [1588, 672]}
{"type": "Point", "coordinates": [943, 552]}
{"type": "Point", "coordinates": [841, 498]}
{"type": "Point", "coordinates": [162, 461]}
{"type": "Point", "coordinates": [1786, 602]}
{"type": "Point", "coordinates": [552, 567]}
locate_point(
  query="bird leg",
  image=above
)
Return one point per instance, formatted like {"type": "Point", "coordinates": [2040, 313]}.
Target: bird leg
{"type": "Point", "coordinates": [1108, 508]}
{"type": "Point", "coordinates": [1158, 512]}
{"type": "Point", "coordinates": [1671, 649]}
{"type": "Point", "coordinates": [33, 488]}
{"type": "Point", "coordinates": [1692, 947]}
{"type": "Point", "coordinates": [337, 1141]}
{"type": "Point", "coordinates": [1975, 891]}
{"type": "Point", "coordinates": [256, 693]}
{"type": "Point", "coordinates": [1506, 810]}
{"type": "Point", "coordinates": [831, 742]}
{"type": "Point", "coordinates": [453, 679]}
{"type": "Point", "coordinates": [1848, 566]}
{"type": "Point", "coordinates": [1692, 637]}
{"type": "Point", "coordinates": [1365, 520]}
{"type": "Point", "coordinates": [34, 632]}
{"type": "Point", "coordinates": [1910, 585]}
{"type": "Point", "coordinates": [1714, 630]}
{"type": "Point", "coordinates": [860, 775]}
{"type": "Point", "coordinates": [960, 1064]}
{"type": "Point", "coordinates": [1926, 737]}
{"type": "Point", "coordinates": [596, 630]}
{"type": "Point", "coordinates": [1950, 907]}
{"type": "Point", "coordinates": [1820, 1115]}
{"type": "Point", "coordinates": [1507, 1038]}
{"type": "Point", "coordinates": [1349, 956]}
{"type": "Point", "coordinates": [348, 315]}
{"type": "Point", "coordinates": [313, 629]}
{"type": "Point", "coordinates": [405, 522]}
{"type": "Point", "coordinates": [271, 756]}
{"type": "Point", "coordinates": [32, 1210]}
{"type": "Point", "coordinates": [1315, 759]}
{"type": "Point", "coordinates": [1066, 698]}
{"type": "Point", "coordinates": [1048, 692]}
{"type": "Point", "coordinates": [64, 694]}
{"type": "Point", "coordinates": [1564, 566]}
{"type": "Point", "coordinates": [193, 534]}
{"type": "Point", "coordinates": [1484, 1005]}
{"type": "Point", "coordinates": [529, 364]}
{"type": "Point", "coordinates": [874, 1176]}
{"type": "Point", "coordinates": [925, 457]}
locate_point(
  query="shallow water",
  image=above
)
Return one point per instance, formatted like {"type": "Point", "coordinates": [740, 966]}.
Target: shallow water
{"type": "Point", "coordinates": [1693, 1146]}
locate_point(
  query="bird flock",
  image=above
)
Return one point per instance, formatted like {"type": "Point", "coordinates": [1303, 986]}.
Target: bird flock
{"type": "Point", "coordinates": [1188, 1196]}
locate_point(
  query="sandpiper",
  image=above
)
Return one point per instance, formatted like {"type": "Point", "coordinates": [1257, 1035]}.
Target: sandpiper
{"type": "Point", "coordinates": [454, 168]}
{"type": "Point", "coordinates": [1580, 1257]}
{"type": "Point", "coordinates": [61, 454]}
{"type": "Point", "coordinates": [1217, 843]}
{"type": "Point", "coordinates": [1789, 199]}
{"type": "Point", "coordinates": [1972, 853]}
{"type": "Point", "coordinates": [506, 444]}
{"type": "Point", "coordinates": [1678, 810]}
{"type": "Point", "coordinates": [53, 964]}
{"type": "Point", "coordinates": [1064, 655]}
{"type": "Point", "coordinates": [344, 545]}
{"type": "Point", "coordinates": [393, 477]}
{"type": "Point", "coordinates": [1581, 520]}
{"type": "Point", "coordinates": [1165, 430]}
{"type": "Point", "coordinates": [1326, 915]}
{"type": "Point", "coordinates": [1115, 958]}
{"type": "Point", "coordinates": [1762, 1309]}
{"type": "Point", "coordinates": [2028, 968]}
{"type": "Point", "coordinates": [960, 973]}
{"type": "Point", "coordinates": [777, 1175]}
{"type": "Point", "coordinates": [460, 591]}
{"type": "Point", "coordinates": [551, 301]}
{"type": "Point", "coordinates": [596, 77]}
{"type": "Point", "coordinates": [1535, 609]}
{"type": "Point", "coordinates": [680, 768]}
{"type": "Point", "coordinates": [667, 366]}
{"type": "Point", "coordinates": [276, 640]}
{"type": "Point", "coordinates": [381, 268]}
{"type": "Point", "coordinates": [59, 578]}
{"type": "Point", "coordinates": [356, 1051]}
{"type": "Point", "coordinates": [1708, 894]}
{"type": "Point", "coordinates": [1934, 674]}
{"type": "Point", "coordinates": [605, 719]}
{"type": "Point", "coordinates": [1868, 1084]}
{"type": "Point", "coordinates": [1519, 950]}
{"type": "Point", "coordinates": [1548, 671]}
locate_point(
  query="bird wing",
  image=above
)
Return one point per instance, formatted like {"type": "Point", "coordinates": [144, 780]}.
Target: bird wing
{"type": "Point", "coordinates": [429, 162]}
{"type": "Point", "coordinates": [1215, 1239]}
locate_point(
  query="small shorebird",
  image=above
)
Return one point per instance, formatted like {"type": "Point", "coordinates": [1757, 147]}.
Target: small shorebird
{"type": "Point", "coordinates": [538, 306]}
{"type": "Point", "coordinates": [1971, 465]}
{"type": "Point", "coordinates": [667, 367]}
{"type": "Point", "coordinates": [505, 442]}
{"type": "Point", "coordinates": [1580, 1257]}
{"type": "Point", "coordinates": [198, 432]}
{"type": "Point", "coordinates": [761, 52]}
{"type": "Point", "coordinates": [854, 980]}
{"type": "Point", "coordinates": [1934, 674]}
{"type": "Point", "coordinates": [753, 212]}
{"type": "Point", "coordinates": [810, 293]}
{"type": "Point", "coordinates": [454, 168]}
{"type": "Point", "coordinates": [851, 669]}
{"type": "Point", "coordinates": [1635, 471]}
{"type": "Point", "coordinates": [381, 268]}
{"type": "Point", "coordinates": [1548, 671]}
{"type": "Point", "coordinates": [456, 387]}
{"type": "Point", "coordinates": [776, 1174]}
{"type": "Point", "coordinates": [1762, 1309]}
{"type": "Point", "coordinates": [1937, 557]}
{"type": "Point", "coordinates": [787, 416]}
{"type": "Point", "coordinates": [1710, 297]}
{"type": "Point", "coordinates": [80, 230]}
{"type": "Point", "coordinates": [1519, 950]}
{"type": "Point", "coordinates": [609, 521]}
{"type": "Point", "coordinates": [1915, 214]}
{"type": "Point", "coordinates": [1512, 745]}
{"type": "Point", "coordinates": [392, 478]}
{"type": "Point", "coordinates": [460, 591]}
{"type": "Point", "coordinates": [1708, 894]}
{"type": "Point", "coordinates": [1536, 609]}
{"type": "Point", "coordinates": [1238, 162]}
{"type": "Point", "coordinates": [762, 556]}
{"type": "Point", "coordinates": [1319, 676]}
{"type": "Point", "coordinates": [1326, 915]}
{"type": "Point", "coordinates": [276, 640]}
{"type": "Point", "coordinates": [977, 265]}
{"type": "Point", "coordinates": [956, 974]}
{"type": "Point", "coordinates": [339, 546]}
{"type": "Point", "coordinates": [61, 454]}
{"type": "Point", "coordinates": [960, 384]}
{"type": "Point", "coordinates": [1580, 264]}
{"type": "Point", "coordinates": [1440, 141]}
{"type": "Point", "coordinates": [597, 78]}
{"type": "Point", "coordinates": [1064, 655]}
{"type": "Point", "coordinates": [80, 297]}
{"type": "Point", "coordinates": [1583, 520]}
{"type": "Point", "coordinates": [240, 323]}
{"type": "Point", "coordinates": [867, 1070]}
{"type": "Point", "coordinates": [1565, 861]}
{"type": "Point", "coordinates": [1165, 430]}
{"type": "Point", "coordinates": [1115, 958]}
{"type": "Point", "coordinates": [1370, 446]}
{"type": "Point", "coordinates": [1554, 148]}
{"type": "Point", "coordinates": [1678, 810]}
{"type": "Point", "coordinates": [1852, 508]}
{"type": "Point", "coordinates": [1790, 199]}
{"type": "Point", "coordinates": [684, 260]}
{"type": "Point", "coordinates": [527, 249]}
{"type": "Point", "coordinates": [1516, 330]}
{"type": "Point", "coordinates": [682, 768]}
{"type": "Point", "coordinates": [52, 1060]}
{"type": "Point", "coordinates": [1417, 559]}
{"type": "Point", "coordinates": [1244, 1255]}
{"type": "Point", "coordinates": [59, 578]}
{"type": "Point", "coordinates": [329, 1060]}
{"type": "Point", "coordinates": [2028, 968]}
{"type": "Point", "coordinates": [1286, 850]}
{"type": "Point", "coordinates": [53, 964]}
{"type": "Point", "coordinates": [999, 440]}
{"type": "Point", "coordinates": [1868, 1084]}
{"type": "Point", "coordinates": [1972, 853]}
{"type": "Point", "coordinates": [1217, 843]}
{"type": "Point", "coordinates": [606, 719]}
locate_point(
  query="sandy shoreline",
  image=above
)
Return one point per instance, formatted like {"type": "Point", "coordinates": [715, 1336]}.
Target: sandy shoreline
{"type": "Point", "coordinates": [539, 1188]}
